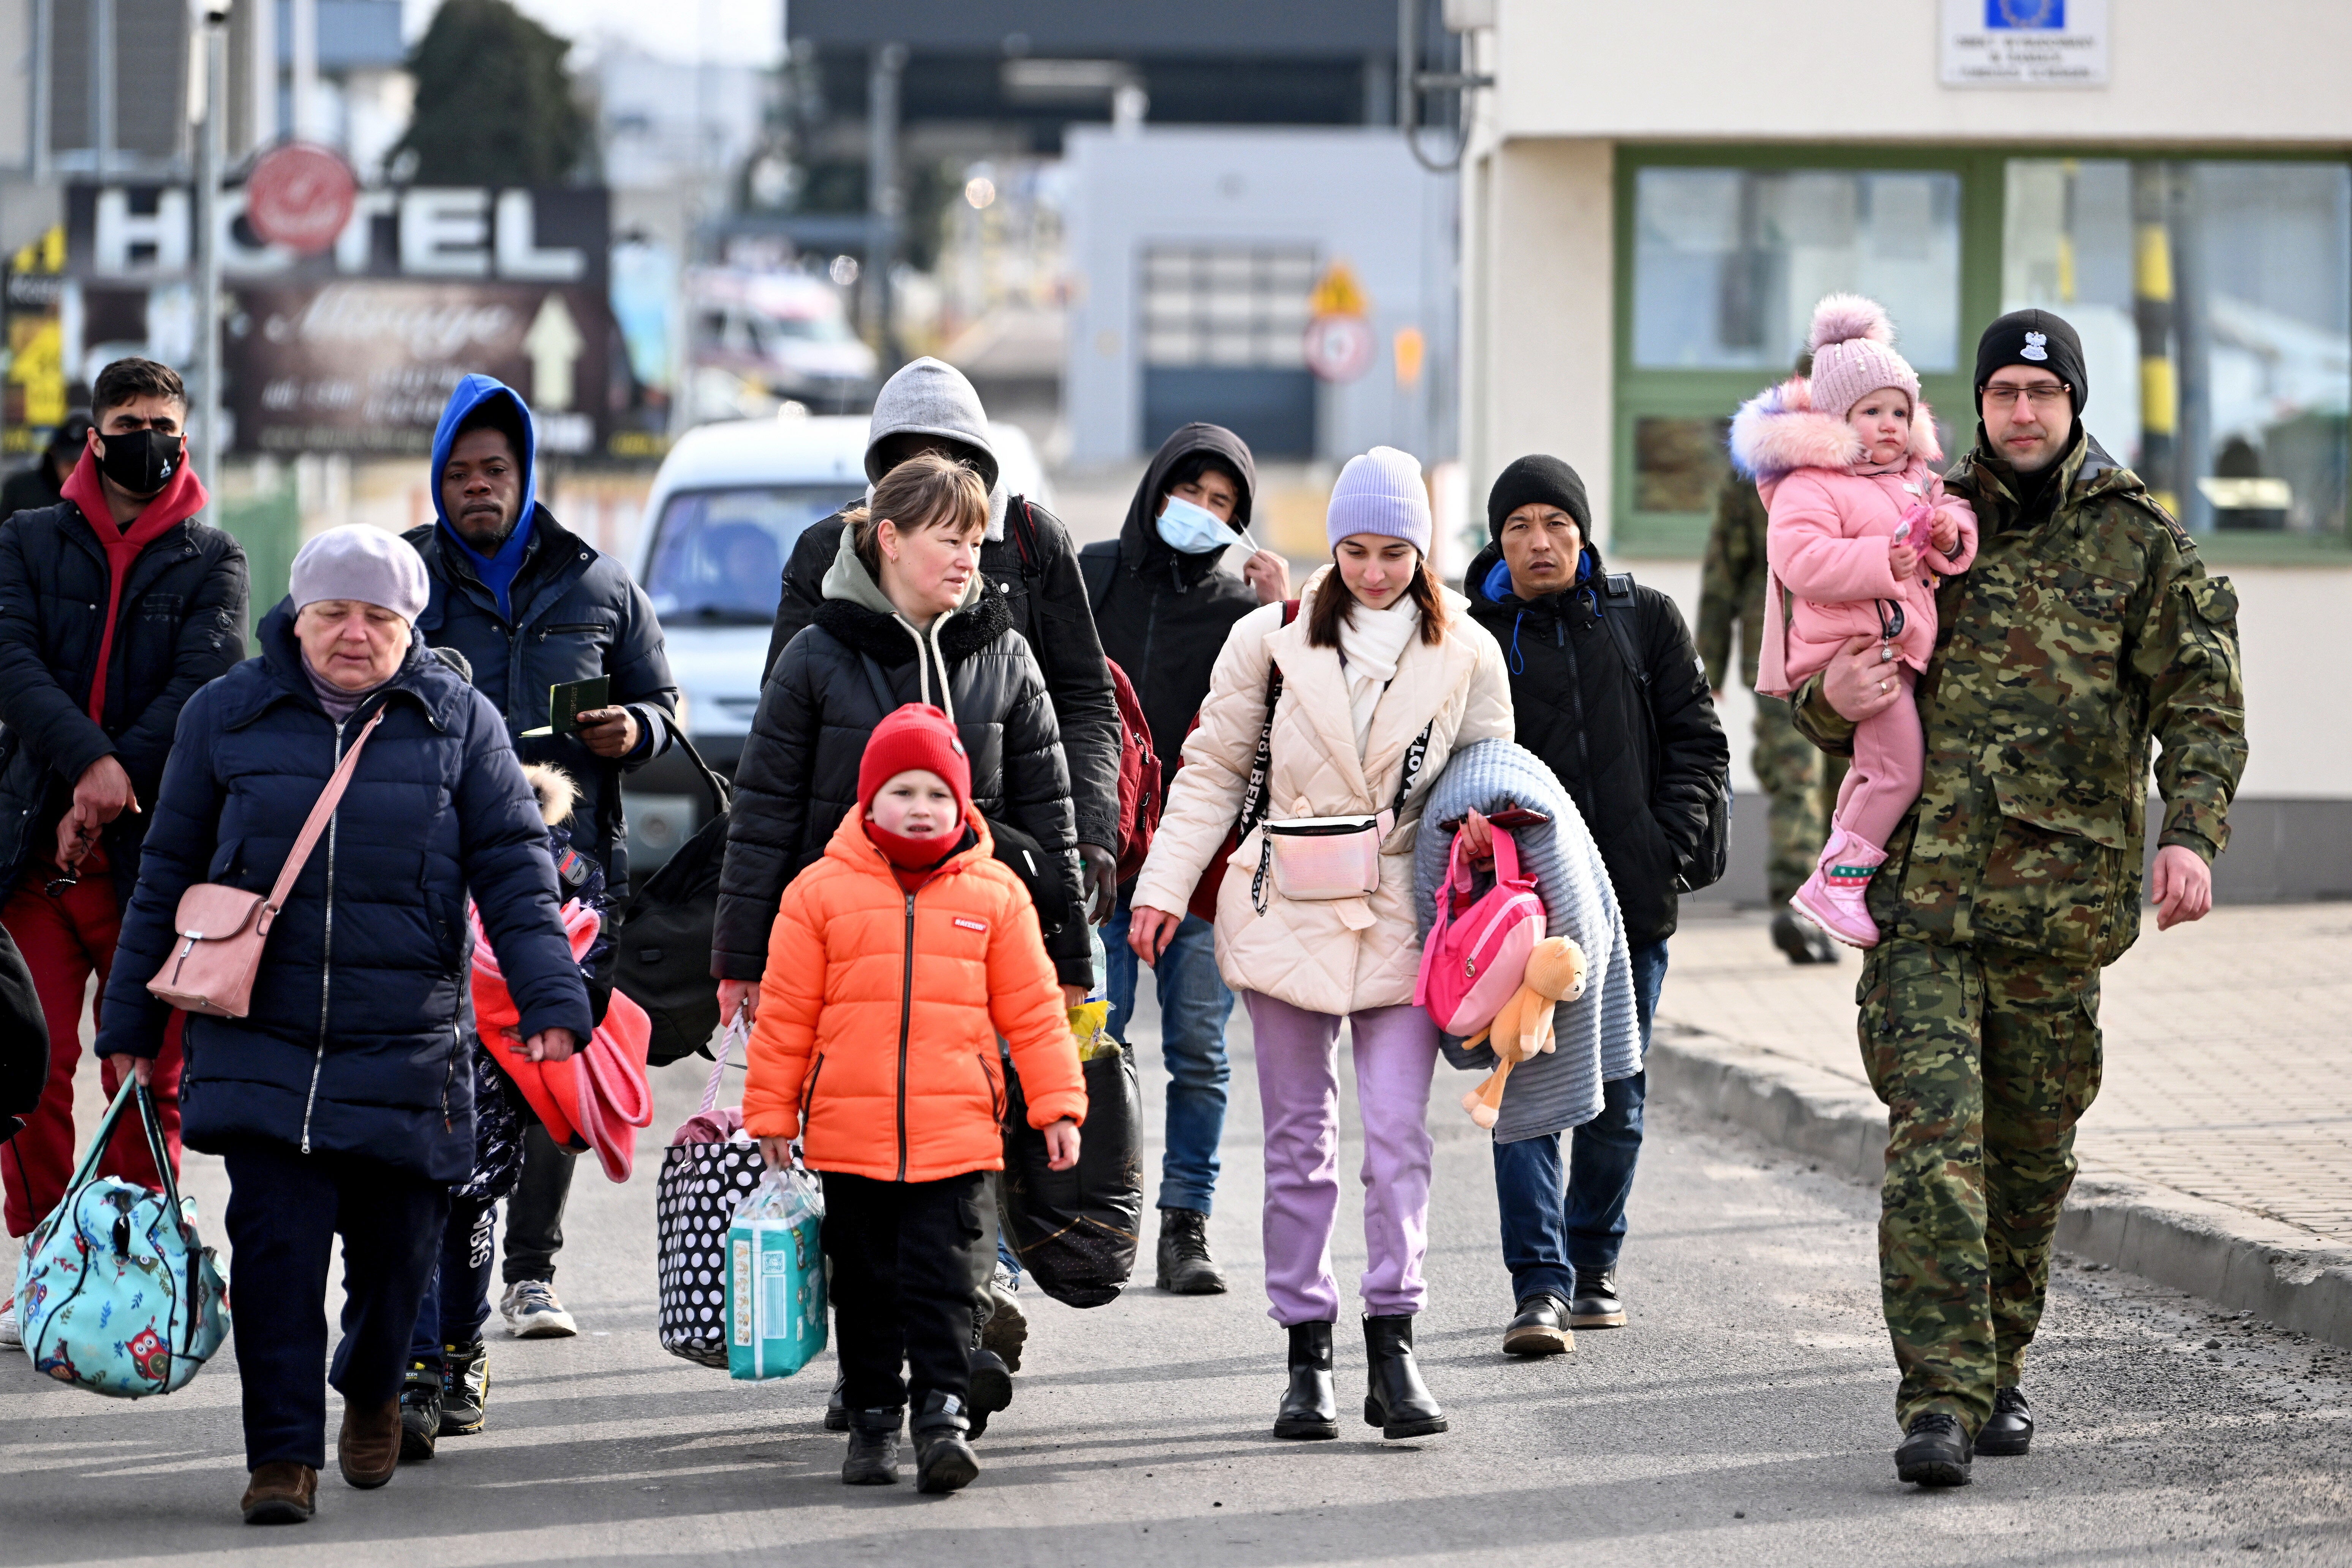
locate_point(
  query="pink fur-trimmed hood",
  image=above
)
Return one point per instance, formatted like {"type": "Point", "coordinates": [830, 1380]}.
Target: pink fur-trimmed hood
{"type": "Point", "coordinates": [1779, 431]}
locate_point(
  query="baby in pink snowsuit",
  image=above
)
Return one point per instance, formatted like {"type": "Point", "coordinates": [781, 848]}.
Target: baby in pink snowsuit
{"type": "Point", "coordinates": [1861, 529]}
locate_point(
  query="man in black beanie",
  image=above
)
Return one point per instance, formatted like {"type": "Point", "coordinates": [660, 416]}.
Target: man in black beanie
{"type": "Point", "coordinates": [1608, 691]}
{"type": "Point", "coordinates": [2085, 629]}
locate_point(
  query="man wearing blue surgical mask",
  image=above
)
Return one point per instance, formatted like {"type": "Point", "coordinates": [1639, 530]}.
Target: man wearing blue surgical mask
{"type": "Point", "coordinates": [1164, 601]}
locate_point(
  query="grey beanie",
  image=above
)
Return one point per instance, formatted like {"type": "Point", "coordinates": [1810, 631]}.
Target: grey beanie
{"type": "Point", "coordinates": [1380, 491]}
{"type": "Point", "coordinates": [357, 562]}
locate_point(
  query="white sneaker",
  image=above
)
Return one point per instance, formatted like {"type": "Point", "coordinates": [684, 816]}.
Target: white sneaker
{"type": "Point", "coordinates": [532, 1312]}
{"type": "Point", "coordinates": [12, 1335]}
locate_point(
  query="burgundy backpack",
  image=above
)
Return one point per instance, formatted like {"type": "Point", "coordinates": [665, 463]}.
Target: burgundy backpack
{"type": "Point", "coordinates": [1138, 777]}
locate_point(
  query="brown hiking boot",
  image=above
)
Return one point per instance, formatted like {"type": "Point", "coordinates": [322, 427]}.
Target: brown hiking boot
{"type": "Point", "coordinates": [281, 1492]}
{"type": "Point", "coordinates": [369, 1446]}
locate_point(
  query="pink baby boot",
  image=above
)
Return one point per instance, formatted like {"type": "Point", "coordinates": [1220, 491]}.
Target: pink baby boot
{"type": "Point", "coordinates": [1833, 896]}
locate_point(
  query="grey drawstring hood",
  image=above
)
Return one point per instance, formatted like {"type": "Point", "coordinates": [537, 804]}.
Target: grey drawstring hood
{"type": "Point", "coordinates": [931, 397]}
{"type": "Point", "coordinates": [847, 579]}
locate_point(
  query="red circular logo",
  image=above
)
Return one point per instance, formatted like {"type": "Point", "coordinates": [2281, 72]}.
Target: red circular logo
{"type": "Point", "coordinates": [1338, 348]}
{"type": "Point", "coordinates": [300, 196]}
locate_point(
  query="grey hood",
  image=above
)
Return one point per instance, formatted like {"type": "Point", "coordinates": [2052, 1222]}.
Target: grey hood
{"type": "Point", "coordinates": [931, 397]}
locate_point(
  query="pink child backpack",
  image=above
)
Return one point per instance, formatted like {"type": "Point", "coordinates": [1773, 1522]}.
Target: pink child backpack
{"type": "Point", "coordinates": [1475, 958]}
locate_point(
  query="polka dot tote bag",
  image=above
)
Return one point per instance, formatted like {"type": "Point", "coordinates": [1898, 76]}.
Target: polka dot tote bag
{"type": "Point", "coordinates": [702, 1184]}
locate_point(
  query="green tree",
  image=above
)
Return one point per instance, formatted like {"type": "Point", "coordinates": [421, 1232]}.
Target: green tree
{"type": "Point", "coordinates": [494, 104]}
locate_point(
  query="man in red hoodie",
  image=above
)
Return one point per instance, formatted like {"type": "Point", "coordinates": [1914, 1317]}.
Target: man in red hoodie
{"type": "Point", "coordinates": [115, 606]}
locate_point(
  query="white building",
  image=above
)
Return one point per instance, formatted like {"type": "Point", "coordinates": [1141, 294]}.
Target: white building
{"type": "Point", "coordinates": [1656, 195]}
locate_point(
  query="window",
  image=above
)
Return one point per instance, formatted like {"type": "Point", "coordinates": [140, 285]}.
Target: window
{"type": "Point", "coordinates": [1224, 336]}
{"type": "Point", "coordinates": [718, 555]}
{"type": "Point", "coordinates": [1728, 262]}
{"type": "Point", "coordinates": [2214, 302]}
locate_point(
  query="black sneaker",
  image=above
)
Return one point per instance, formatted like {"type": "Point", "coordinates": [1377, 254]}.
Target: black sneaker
{"type": "Point", "coordinates": [944, 1462]}
{"type": "Point", "coordinates": [873, 1457]}
{"type": "Point", "coordinates": [2010, 1428]}
{"type": "Point", "coordinates": [465, 1388]}
{"type": "Point", "coordinates": [1596, 1305]}
{"type": "Point", "coordinates": [1185, 1267]}
{"type": "Point", "coordinates": [1934, 1452]}
{"type": "Point", "coordinates": [991, 1389]}
{"type": "Point", "coordinates": [420, 1412]}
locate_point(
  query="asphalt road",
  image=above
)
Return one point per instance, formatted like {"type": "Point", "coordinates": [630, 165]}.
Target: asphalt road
{"type": "Point", "coordinates": [1744, 1416]}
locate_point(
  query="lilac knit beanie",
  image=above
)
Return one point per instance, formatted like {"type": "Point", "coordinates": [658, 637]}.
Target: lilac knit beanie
{"type": "Point", "coordinates": [1380, 491]}
{"type": "Point", "coordinates": [1853, 354]}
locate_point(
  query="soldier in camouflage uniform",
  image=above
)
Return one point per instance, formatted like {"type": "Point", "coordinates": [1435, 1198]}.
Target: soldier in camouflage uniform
{"type": "Point", "coordinates": [2086, 627]}
{"type": "Point", "coordinates": [1799, 783]}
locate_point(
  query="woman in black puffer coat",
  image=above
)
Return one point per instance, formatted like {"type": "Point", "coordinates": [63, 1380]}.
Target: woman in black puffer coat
{"type": "Point", "coordinates": [342, 1102]}
{"type": "Point", "coordinates": [875, 646]}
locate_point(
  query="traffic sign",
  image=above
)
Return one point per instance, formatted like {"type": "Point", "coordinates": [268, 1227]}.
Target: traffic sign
{"type": "Point", "coordinates": [1339, 348]}
{"type": "Point", "coordinates": [299, 195]}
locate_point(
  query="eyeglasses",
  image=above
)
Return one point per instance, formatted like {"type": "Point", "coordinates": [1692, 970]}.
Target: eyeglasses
{"type": "Point", "coordinates": [2041, 394]}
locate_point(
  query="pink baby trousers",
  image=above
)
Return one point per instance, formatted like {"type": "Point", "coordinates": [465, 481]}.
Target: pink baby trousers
{"type": "Point", "coordinates": [1890, 759]}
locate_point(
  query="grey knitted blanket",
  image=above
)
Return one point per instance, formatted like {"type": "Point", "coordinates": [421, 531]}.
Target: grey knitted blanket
{"type": "Point", "coordinates": [1598, 1037]}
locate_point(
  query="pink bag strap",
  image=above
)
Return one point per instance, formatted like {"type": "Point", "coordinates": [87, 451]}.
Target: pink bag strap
{"type": "Point", "coordinates": [314, 826]}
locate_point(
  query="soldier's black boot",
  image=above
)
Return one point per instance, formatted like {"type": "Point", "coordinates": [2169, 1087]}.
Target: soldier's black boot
{"type": "Point", "coordinates": [1309, 1409]}
{"type": "Point", "coordinates": [2010, 1428]}
{"type": "Point", "coordinates": [1395, 1399]}
{"type": "Point", "coordinates": [1934, 1451]}
{"type": "Point", "coordinates": [873, 1459]}
{"type": "Point", "coordinates": [944, 1462]}
{"type": "Point", "coordinates": [1803, 942]}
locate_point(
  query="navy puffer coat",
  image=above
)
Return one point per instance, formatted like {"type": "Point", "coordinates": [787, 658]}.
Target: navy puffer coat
{"type": "Point", "coordinates": [353, 1044]}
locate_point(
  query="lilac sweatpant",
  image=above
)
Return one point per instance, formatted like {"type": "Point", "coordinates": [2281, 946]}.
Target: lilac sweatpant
{"type": "Point", "coordinates": [1890, 760]}
{"type": "Point", "coordinates": [1298, 1087]}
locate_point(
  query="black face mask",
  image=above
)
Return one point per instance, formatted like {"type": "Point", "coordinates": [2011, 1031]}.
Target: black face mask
{"type": "Point", "coordinates": [141, 461]}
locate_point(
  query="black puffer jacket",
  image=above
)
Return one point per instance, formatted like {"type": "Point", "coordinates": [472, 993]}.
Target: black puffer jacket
{"type": "Point", "coordinates": [182, 621]}
{"type": "Point", "coordinates": [577, 614]}
{"type": "Point", "coordinates": [353, 1044]}
{"type": "Point", "coordinates": [1164, 615]}
{"type": "Point", "coordinates": [1035, 571]}
{"type": "Point", "coordinates": [839, 679]}
{"type": "Point", "coordinates": [1643, 789]}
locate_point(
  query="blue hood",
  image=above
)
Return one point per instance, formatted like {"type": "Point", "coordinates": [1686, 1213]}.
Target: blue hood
{"type": "Point", "coordinates": [497, 572]}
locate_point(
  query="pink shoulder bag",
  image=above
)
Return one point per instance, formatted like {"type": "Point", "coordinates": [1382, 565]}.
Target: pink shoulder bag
{"type": "Point", "coordinates": [1475, 958]}
{"type": "Point", "coordinates": [222, 929]}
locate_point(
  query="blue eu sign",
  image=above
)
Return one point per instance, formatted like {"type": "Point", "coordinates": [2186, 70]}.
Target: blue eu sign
{"type": "Point", "coordinates": [2013, 15]}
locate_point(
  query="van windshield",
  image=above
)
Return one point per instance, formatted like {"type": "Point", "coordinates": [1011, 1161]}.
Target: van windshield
{"type": "Point", "coordinates": [718, 555]}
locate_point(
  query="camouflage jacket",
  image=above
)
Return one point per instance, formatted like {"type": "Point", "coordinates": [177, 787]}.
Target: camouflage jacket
{"type": "Point", "coordinates": [1732, 583]}
{"type": "Point", "coordinates": [2071, 642]}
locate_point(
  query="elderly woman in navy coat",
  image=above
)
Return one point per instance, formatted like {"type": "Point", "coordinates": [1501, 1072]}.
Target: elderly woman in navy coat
{"type": "Point", "coordinates": [342, 1103]}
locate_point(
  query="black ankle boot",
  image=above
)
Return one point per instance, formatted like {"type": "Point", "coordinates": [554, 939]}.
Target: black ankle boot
{"type": "Point", "coordinates": [1309, 1409]}
{"type": "Point", "coordinates": [1396, 1400]}
{"type": "Point", "coordinates": [944, 1462]}
{"type": "Point", "coordinates": [837, 1408]}
{"type": "Point", "coordinates": [872, 1460]}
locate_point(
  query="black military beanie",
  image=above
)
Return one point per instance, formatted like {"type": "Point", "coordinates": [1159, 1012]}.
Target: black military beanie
{"type": "Point", "coordinates": [1538, 480]}
{"type": "Point", "coordinates": [2034, 337]}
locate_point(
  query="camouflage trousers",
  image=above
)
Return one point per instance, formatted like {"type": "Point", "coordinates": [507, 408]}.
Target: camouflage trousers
{"type": "Point", "coordinates": [1986, 1059]}
{"type": "Point", "coordinates": [1800, 784]}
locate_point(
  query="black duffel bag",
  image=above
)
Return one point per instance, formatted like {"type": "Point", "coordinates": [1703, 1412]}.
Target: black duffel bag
{"type": "Point", "coordinates": [1075, 1231]}
{"type": "Point", "coordinates": [663, 961]}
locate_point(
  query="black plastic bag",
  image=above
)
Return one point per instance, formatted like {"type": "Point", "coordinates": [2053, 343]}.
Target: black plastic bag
{"type": "Point", "coordinates": [663, 947]}
{"type": "Point", "coordinates": [1075, 1231]}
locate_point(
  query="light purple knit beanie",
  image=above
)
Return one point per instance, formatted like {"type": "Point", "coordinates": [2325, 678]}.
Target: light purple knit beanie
{"type": "Point", "coordinates": [1380, 491]}
{"type": "Point", "coordinates": [1853, 354]}
{"type": "Point", "coordinates": [357, 562]}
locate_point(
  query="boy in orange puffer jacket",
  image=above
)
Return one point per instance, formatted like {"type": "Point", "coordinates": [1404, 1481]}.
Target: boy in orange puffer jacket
{"type": "Point", "coordinates": [894, 963]}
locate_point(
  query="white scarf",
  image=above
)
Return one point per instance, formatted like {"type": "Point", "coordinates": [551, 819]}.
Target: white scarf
{"type": "Point", "coordinates": [1371, 642]}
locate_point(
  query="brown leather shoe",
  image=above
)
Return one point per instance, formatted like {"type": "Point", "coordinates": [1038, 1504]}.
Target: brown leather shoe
{"type": "Point", "coordinates": [369, 1446]}
{"type": "Point", "coordinates": [282, 1492]}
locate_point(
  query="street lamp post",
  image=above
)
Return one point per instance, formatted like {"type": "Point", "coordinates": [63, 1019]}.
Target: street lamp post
{"type": "Point", "coordinates": [211, 144]}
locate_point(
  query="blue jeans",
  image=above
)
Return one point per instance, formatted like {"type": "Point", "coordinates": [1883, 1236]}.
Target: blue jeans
{"type": "Point", "coordinates": [1554, 1230]}
{"type": "Point", "coordinates": [1193, 1007]}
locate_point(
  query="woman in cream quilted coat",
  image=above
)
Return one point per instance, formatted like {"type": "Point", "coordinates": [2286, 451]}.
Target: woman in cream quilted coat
{"type": "Point", "coordinates": [1381, 664]}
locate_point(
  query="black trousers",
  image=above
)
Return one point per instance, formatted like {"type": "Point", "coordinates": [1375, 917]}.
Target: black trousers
{"type": "Point", "coordinates": [285, 1210]}
{"type": "Point", "coordinates": [902, 1260]}
{"type": "Point", "coordinates": [535, 1212]}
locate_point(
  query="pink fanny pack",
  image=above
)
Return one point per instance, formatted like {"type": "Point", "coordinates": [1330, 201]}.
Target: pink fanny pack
{"type": "Point", "coordinates": [1475, 958]}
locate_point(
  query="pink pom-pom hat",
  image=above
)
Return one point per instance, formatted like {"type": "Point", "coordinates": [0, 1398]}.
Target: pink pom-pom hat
{"type": "Point", "coordinates": [1854, 354]}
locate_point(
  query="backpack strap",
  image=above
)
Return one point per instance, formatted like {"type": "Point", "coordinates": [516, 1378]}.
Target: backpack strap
{"type": "Point", "coordinates": [1098, 565]}
{"type": "Point", "coordinates": [1025, 534]}
{"type": "Point", "coordinates": [1617, 614]}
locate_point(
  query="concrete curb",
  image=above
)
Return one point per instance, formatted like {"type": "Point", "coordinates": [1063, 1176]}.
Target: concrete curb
{"type": "Point", "coordinates": [2225, 1255]}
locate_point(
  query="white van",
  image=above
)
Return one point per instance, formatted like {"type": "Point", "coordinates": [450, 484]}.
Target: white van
{"type": "Point", "coordinates": [727, 507]}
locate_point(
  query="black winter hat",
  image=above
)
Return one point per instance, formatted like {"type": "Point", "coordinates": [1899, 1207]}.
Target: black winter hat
{"type": "Point", "coordinates": [2034, 337]}
{"type": "Point", "coordinates": [1538, 480]}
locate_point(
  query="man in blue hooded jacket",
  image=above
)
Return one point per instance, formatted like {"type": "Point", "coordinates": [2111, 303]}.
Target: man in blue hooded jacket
{"type": "Point", "coordinates": [532, 605]}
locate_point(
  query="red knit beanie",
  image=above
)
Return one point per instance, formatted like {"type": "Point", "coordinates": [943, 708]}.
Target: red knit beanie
{"type": "Point", "coordinates": [916, 736]}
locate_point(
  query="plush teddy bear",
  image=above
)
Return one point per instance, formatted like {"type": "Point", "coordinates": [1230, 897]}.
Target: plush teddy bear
{"type": "Point", "coordinates": [1523, 1026]}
